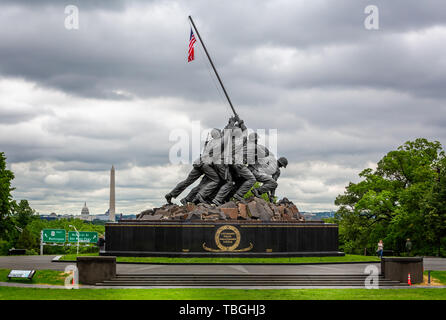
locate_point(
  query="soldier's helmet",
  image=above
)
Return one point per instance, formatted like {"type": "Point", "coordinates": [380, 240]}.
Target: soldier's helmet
{"type": "Point", "coordinates": [283, 161]}
{"type": "Point", "coordinates": [215, 133]}
{"type": "Point", "coordinates": [253, 136]}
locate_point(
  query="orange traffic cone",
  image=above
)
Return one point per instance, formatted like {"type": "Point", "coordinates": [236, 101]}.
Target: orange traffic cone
{"type": "Point", "coordinates": [408, 280]}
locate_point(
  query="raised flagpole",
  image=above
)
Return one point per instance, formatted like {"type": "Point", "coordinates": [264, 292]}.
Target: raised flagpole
{"type": "Point", "coordinates": [213, 67]}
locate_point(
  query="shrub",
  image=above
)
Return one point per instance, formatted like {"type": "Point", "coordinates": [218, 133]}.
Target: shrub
{"type": "Point", "coordinates": [4, 247]}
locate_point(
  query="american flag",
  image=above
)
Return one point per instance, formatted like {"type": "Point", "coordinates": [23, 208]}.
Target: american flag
{"type": "Point", "coordinates": [191, 46]}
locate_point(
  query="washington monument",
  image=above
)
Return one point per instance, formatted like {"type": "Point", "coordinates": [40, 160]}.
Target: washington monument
{"type": "Point", "coordinates": [112, 194]}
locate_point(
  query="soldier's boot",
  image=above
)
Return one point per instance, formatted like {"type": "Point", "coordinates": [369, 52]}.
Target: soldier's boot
{"type": "Point", "coordinates": [183, 201]}
{"type": "Point", "coordinates": [256, 193]}
{"type": "Point", "coordinates": [168, 198]}
{"type": "Point", "coordinates": [199, 199]}
{"type": "Point", "coordinates": [270, 197]}
{"type": "Point", "coordinates": [237, 197]}
{"type": "Point", "coordinates": [216, 202]}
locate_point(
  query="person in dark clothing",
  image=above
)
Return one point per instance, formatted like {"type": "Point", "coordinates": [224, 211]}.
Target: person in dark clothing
{"type": "Point", "coordinates": [101, 243]}
{"type": "Point", "coordinates": [408, 246]}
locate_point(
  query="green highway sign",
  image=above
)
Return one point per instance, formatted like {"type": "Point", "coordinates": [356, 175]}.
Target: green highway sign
{"type": "Point", "coordinates": [53, 235]}
{"type": "Point", "coordinates": [84, 236]}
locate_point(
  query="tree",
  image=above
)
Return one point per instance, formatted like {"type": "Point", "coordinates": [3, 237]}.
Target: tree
{"type": "Point", "coordinates": [403, 198]}
{"type": "Point", "coordinates": [27, 240]}
{"type": "Point", "coordinates": [434, 209]}
{"type": "Point", "coordinates": [5, 198]}
{"type": "Point", "coordinates": [22, 213]}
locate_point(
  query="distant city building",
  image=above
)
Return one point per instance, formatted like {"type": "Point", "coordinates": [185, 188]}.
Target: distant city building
{"type": "Point", "coordinates": [85, 210]}
{"type": "Point", "coordinates": [54, 216]}
{"type": "Point", "coordinates": [49, 217]}
{"type": "Point", "coordinates": [103, 217]}
{"type": "Point", "coordinates": [85, 214]}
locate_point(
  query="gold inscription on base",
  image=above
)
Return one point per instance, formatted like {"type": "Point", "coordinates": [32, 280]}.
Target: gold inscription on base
{"type": "Point", "coordinates": [227, 238]}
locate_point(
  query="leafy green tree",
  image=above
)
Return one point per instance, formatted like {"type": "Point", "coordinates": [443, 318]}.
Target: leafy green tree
{"type": "Point", "coordinates": [6, 176]}
{"type": "Point", "coordinates": [403, 198]}
{"type": "Point", "coordinates": [434, 210]}
{"type": "Point", "coordinates": [27, 240]}
{"type": "Point", "coordinates": [22, 213]}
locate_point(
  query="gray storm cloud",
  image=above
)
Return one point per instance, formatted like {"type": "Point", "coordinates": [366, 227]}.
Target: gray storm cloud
{"type": "Point", "coordinates": [74, 102]}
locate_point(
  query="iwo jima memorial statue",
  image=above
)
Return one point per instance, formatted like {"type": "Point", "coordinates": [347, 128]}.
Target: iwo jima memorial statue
{"type": "Point", "coordinates": [233, 210]}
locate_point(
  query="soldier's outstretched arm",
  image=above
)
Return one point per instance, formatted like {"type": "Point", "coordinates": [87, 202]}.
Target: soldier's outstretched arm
{"type": "Point", "coordinates": [231, 123]}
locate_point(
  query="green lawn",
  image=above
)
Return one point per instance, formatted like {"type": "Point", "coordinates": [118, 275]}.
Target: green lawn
{"type": "Point", "coordinates": [10, 293]}
{"type": "Point", "coordinates": [440, 276]}
{"type": "Point", "coordinates": [165, 260]}
{"type": "Point", "coordinates": [41, 277]}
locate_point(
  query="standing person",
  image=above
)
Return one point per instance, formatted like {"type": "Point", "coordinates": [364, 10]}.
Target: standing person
{"type": "Point", "coordinates": [408, 246]}
{"type": "Point", "coordinates": [380, 248]}
{"type": "Point", "coordinates": [101, 243]}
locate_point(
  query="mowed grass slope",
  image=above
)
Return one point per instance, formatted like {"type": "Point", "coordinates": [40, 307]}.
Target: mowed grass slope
{"type": "Point", "coordinates": [10, 293]}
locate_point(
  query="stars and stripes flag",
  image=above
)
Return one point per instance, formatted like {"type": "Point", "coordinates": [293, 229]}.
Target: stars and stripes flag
{"type": "Point", "coordinates": [192, 40]}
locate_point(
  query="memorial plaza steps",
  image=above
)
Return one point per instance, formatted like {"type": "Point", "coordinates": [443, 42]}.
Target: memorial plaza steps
{"type": "Point", "coordinates": [244, 280]}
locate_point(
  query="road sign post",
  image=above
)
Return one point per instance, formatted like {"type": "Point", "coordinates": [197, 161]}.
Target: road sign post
{"type": "Point", "coordinates": [59, 237]}
{"type": "Point", "coordinates": [52, 236]}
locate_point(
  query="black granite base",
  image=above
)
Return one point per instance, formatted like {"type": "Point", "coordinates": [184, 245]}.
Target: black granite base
{"type": "Point", "coordinates": [230, 239]}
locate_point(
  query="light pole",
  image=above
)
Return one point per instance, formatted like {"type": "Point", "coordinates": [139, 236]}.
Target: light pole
{"type": "Point", "coordinates": [77, 238]}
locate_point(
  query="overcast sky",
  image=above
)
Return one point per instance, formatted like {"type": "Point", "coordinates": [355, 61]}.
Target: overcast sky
{"type": "Point", "coordinates": [74, 102]}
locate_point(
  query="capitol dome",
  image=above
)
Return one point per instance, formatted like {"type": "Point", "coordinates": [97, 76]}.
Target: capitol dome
{"type": "Point", "coordinates": [85, 209]}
